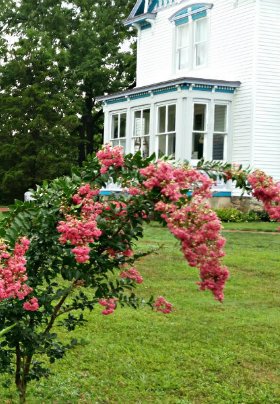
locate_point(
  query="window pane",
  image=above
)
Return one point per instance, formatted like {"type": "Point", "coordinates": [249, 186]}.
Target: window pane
{"type": "Point", "coordinates": [171, 118]}
{"type": "Point", "coordinates": [171, 145]}
{"type": "Point", "coordinates": [183, 62]}
{"type": "Point", "coordinates": [146, 119]}
{"type": "Point", "coordinates": [146, 147]}
{"type": "Point", "coordinates": [122, 125]}
{"type": "Point", "coordinates": [198, 143]}
{"type": "Point", "coordinates": [161, 145]}
{"type": "Point", "coordinates": [137, 123]}
{"type": "Point", "coordinates": [114, 134]}
{"type": "Point", "coordinates": [122, 143]}
{"type": "Point", "coordinates": [220, 118]}
{"type": "Point", "coordinates": [218, 147]}
{"type": "Point", "coordinates": [183, 36]}
{"type": "Point", "coordinates": [201, 30]}
{"type": "Point", "coordinates": [200, 51]}
{"type": "Point", "coordinates": [199, 119]}
{"type": "Point", "coordinates": [162, 119]}
{"type": "Point", "coordinates": [115, 142]}
{"type": "Point", "coordinates": [137, 144]}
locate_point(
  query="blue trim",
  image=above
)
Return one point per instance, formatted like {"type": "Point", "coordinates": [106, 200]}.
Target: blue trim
{"type": "Point", "coordinates": [203, 88]}
{"type": "Point", "coordinates": [165, 90]}
{"type": "Point", "coordinates": [228, 90]}
{"type": "Point", "coordinates": [115, 100]}
{"type": "Point", "coordinates": [141, 95]}
{"type": "Point", "coordinates": [202, 14]}
{"type": "Point", "coordinates": [145, 26]}
{"type": "Point", "coordinates": [182, 21]}
{"type": "Point", "coordinates": [191, 13]}
{"type": "Point", "coordinates": [140, 9]}
{"type": "Point", "coordinates": [185, 86]}
{"type": "Point", "coordinates": [222, 194]}
{"type": "Point", "coordinates": [153, 4]}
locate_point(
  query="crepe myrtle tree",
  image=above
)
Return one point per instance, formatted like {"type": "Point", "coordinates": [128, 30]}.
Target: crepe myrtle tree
{"type": "Point", "coordinates": [72, 249]}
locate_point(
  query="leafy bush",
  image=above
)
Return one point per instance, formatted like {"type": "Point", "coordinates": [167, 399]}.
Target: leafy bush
{"type": "Point", "coordinates": [236, 216]}
{"type": "Point", "coordinates": [70, 250]}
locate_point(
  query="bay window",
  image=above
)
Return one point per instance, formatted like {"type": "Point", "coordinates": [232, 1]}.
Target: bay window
{"type": "Point", "coordinates": [118, 129]}
{"type": "Point", "coordinates": [141, 132]}
{"type": "Point", "coordinates": [166, 127]}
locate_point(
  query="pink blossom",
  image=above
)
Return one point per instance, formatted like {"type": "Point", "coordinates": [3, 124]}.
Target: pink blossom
{"type": "Point", "coordinates": [266, 190]}
{"type": "Point", "coordinates": [110, 156]}
{"type": "Point", "coordinates": [162, 305]}
{"type": "Point", "coordinates": [13, 274]}
{"type": "Point", "coordinates": [133, 274]}
{"type": "Point", "coordinates": [31, 305]}
{"type": "Point", "coordinates": [109, 304]}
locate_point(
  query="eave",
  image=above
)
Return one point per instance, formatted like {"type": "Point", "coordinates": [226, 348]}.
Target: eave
{"type": "Point", "coordinates": [184, 83]}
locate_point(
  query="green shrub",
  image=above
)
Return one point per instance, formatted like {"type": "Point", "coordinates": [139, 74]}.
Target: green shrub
{"type": "Point", "coordinates": [235, 215]}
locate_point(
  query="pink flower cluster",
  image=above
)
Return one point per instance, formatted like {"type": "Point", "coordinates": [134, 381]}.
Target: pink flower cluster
{"type": "Point", "coordinates": [266, 190]}
{"type": "Point", "coordinates": [162, 305]}
{"type": "Point", "coordinates": [110, 156]}
{"type": "Point", "coordinates": [82, 230]}
{"type": "Point", "coordinates": [13, 272]}
{"type": "Point", "coordinates": [191, 220]}
{"type": "Point", "coordinates": [109, 304]}
{"type": "Point", "coordinates": [198, 229]}
{"type": "Point", "coordinates": [133, 274]}
{"type": "Point", "coordinates": [31, 305]}
{"type": "Point", "coordinates": [173, 180]}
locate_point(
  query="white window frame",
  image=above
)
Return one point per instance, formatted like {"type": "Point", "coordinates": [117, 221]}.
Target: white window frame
{"type": "Point", "coordinates": [144, 136]}
{"type": "Point", "coordinates": [192, 45]}
{"type": "Point", "coordinates": [118, 140]}
{"type": "Point", "coordinates": [166, 133]}
{"type": "Point", "coordinates": [224, 133]}
{"type": "Point", "coordinates": [204, 133]}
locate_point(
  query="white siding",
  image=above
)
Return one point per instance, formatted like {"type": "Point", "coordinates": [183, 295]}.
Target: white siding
{"type": "Point", "coordinates": [231, 57]}
{"type": "Point", "coordinates": [267, 98]}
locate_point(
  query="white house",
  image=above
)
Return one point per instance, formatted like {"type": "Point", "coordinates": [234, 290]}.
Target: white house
{"type": "Point", "coordinates": [208, 83]}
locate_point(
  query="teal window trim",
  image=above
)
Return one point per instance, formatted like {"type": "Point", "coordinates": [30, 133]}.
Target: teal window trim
{"type": "Point", "coordinates": [191, 12]}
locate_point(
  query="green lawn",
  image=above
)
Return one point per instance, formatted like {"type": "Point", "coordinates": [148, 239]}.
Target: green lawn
{"type": "Point", "coordinates": [204, 352]}
{"type": "Point", "coordinates": [252, 226]}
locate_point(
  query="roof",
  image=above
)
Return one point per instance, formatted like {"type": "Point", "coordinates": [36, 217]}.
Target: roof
{"type": "Point", "coordinates": [186, 82]}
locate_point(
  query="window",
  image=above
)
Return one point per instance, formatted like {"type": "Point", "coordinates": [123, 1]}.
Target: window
{"type": "Point", "coordinates": [220, 131]}
{"type": "Point", "coordinates": [141, 132]}
{"type": "Point", "coordinates": [199, 130]}
{"type": "Point", "coordinates": [191, 45]}
{"type": "Point", "coordinates": [183, 47]}
{"type": "Point", "coordinates": [166, 135]}
{"type": "Point", "coordinates": [118, 129]}
{"type": "Point", "coordinates": [200, 42]}
{"type": "Point", "coordinates": [192, 28]}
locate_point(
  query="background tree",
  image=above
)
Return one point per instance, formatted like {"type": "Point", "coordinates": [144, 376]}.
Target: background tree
{"type": "Point", "coordinates": [63, 55]}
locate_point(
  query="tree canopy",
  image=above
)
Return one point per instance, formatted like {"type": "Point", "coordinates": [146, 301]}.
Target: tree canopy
{"type": "Point", "coordinates": [63, 54]}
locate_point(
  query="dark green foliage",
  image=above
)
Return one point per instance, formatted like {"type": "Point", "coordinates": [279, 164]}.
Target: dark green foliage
{"type": "Point", "coordinates": [65, 54]}
{"type": "Point", "coordinates": [64, 288]}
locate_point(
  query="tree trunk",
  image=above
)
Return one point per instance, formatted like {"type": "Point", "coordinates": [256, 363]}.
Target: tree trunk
{"type": "Point", "coordinates": [22, 372]}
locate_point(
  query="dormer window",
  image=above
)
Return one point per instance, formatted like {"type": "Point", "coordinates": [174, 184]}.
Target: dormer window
{"type": "Point", "coordinates": [192, 34]}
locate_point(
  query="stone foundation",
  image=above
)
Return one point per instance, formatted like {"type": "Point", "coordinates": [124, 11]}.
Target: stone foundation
{"type": "Point", "coordinates": [245, 203]}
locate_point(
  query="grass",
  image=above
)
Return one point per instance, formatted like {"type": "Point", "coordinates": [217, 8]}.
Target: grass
{"type": "Point", "coordinates": [252, 226]}
{"type": "Point", "coordinates": [204, 352]}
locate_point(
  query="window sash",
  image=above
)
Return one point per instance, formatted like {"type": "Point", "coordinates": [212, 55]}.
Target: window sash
{"type": "Point", "coordinates": [118, 126]}
{"type": "Point", "coordinates": [192, 50]}
{"type": "Point", "coordinates": [200, 130]}
{"type": "Point", "coordinates": [166, 130]}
